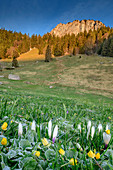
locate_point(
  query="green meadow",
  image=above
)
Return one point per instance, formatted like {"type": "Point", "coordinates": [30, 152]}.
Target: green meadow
{"type": "Point", "coordinates": [69, 91]}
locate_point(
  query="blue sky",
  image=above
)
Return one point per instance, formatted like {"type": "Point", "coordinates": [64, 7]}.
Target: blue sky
{"type": "Point", "coordinates": [41, 16]}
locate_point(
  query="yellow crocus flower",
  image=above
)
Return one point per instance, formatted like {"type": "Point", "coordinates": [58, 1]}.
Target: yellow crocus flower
{"type": "Point", "coordinates": [45, 141]}
{"type": "Point", "coordinates": [4, 126]}
{"type": "Point", "coordinates": [97, 156]}
{"type": "Point", "coordinates": [4, 141]}
{"type": "Point", "coordinates": [107, 131]}
{"type": "Point", "coordinates": [71, 161]}
{"type": "Point", "coordinates": [37, 153]}
{"type": "Point", "coordinates": [61, 151]}
{"type": "Point", "coordinates": [91, 154]}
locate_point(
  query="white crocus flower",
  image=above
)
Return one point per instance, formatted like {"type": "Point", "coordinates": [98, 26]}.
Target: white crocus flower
{"type": "Point", "coordinates": [89, 124]}
{"type": "Point", "coordinates": [107, 127]}
{"type": "Point", "coordinates": [20, 129]}
{"type": "Point", "coordinates": [49, 128]}
{"type": "Point", "coordinates": [88, 127]}
{"type": "Point", "coordinates": [79, 127]}
{"type": "Point", "coordinates": [92, 131]}
{"type": "Point", "coordinates": [33, 126]}
{"type": "Point", "coordinates": [106, 138]}
{"type": "Point", "coordinates": [99, 128]}
{"type": "Point", "coordinates": [55, 132]}
{"type": "Point", "coordinates": [88, 133]}
{"type": "Point", "coordinates": [79, 147]}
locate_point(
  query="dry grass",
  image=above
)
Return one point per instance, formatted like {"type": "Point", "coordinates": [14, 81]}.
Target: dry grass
{"type": "Point", "coordinates": [31, 55]}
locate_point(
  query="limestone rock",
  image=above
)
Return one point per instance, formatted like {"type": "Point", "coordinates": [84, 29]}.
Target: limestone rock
{"type": "Point", "coordinates": [13, 77]}
{"type": "Point", "coordinates": [76, 27]}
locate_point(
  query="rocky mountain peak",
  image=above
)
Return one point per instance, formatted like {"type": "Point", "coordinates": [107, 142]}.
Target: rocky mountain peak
{"type": "Point", "coordinates": [76, 27]}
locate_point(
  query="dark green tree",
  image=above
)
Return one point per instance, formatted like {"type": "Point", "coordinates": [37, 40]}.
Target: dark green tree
{"type": "Point", "coordinates": [111, 48]}
{"type": "Point", "coordinates": [105, 48]}
{"type": "Point", "coordinates": [48, 55]}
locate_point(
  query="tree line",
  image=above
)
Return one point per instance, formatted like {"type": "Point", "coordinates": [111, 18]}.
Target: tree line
{"type": "Point", "coordinates": [100, 41]}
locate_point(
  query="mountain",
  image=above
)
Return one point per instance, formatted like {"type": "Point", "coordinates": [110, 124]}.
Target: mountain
{"type": "Point", "coordinates": [76, 27]}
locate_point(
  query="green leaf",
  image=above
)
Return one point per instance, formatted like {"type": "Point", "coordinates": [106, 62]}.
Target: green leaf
{"type": "Point", "coordinates": [30, 135]}
{"type": "Point", "coordinates": [11, 154]}
{"type": "Point", "coordinates": [50, 154]}
{"type": "Point", "coordinates": [39, 167]}
{"type": "Point", "coordinates": [6, 168]}
{"type": "Point", "coordinates": [29, 163]}
{"type": "Point", "coordinates": [43, 163]}
{"type": "Point", "coordinates": [24, 143]}
{"type": "Point", "coordinates": [65, 110]}
{"type": "Point", "coordinates": [70, 153]}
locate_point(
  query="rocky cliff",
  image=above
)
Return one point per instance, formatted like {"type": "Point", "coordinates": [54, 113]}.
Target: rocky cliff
{"type": "Point", "coordinates": [76, 27]}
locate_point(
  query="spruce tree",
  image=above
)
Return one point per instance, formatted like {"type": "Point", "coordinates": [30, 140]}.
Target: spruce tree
{"type": "Point", "coordinates": [111, 48]}
{"type": "Point", "coordinates": [48, 54]}
{"type": "Point", "coordinates": [105, 48]}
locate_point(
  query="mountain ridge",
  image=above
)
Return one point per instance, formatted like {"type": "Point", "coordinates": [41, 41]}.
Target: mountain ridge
{"type": "Point", "coordinates": [76, 27]}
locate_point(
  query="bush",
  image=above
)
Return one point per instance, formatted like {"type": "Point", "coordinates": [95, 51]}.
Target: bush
{"type": "Point", "coordinates": [15, 62]}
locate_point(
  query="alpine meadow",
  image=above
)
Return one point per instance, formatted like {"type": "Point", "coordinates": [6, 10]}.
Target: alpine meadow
{"type": "Point", "coordinates": [56, 92]}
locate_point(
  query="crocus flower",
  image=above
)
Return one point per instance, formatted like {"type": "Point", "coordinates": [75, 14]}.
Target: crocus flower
{"type": "Point", "coordinates": [106, 137]}
{"type": "Point", "coordinates": [88, 133]}
{"type": "Point", "coordinates": [4, 141]}
{"type": "Point", "coordinates": [4, 126]}
{"type": "Point", "coordinates": [97, 156]}
{"type": "Point", "coordinates": [33, 126]}
{"type": "Point", "coordinates": [61, 151]}
{"type": "Point", "coordinates": [91, 154]}
{"type": "Point", "coordinates": [55, 132]}
{"type": "Point", "coordinates": [79, 147]}
{"type": "Point", "coordinates": [45, 141]}
{"type": "Point", "coordinates": [37, 153]}
{"type": "Point", "coordinates": [92, 131]}
{"type": "Point", "coordinates": [107, 131]}
{"type": "Point", "coordinates": [71, 161]}
{"type": "Point", "coordinates": [99, 128]}
{"type": "Point", "coordinates": [107, 127]}
{"type": "Point", "coordinates": [89, 124]}
{"type": "Point", "coordinates": [49, 128]}
{"type": "Point", "coordinates": [79, 127]}
{"type": "Point", "coordinates": [20, 129]}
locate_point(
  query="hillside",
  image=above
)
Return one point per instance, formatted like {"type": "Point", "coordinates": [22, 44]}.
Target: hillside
{"type": "Point", "coordinates": [65, 76]}
{"type": "Point", "coordinates": [76, 27]}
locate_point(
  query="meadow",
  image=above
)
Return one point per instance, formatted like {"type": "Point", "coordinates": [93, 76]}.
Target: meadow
{"type": "Point", "coordinates": [59, 115]}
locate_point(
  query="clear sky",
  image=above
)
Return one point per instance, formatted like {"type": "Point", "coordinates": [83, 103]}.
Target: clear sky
{"type": "Point", "coordinates": [41, 16]}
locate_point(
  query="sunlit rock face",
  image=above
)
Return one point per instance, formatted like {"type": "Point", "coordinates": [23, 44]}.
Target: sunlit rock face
{"type": "Point", "coordinates": [76, 27]}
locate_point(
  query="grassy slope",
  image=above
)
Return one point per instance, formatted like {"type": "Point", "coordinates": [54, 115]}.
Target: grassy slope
{"type": "Point", "coordinates": [31, 55]}
{"type": "Point", "coordinates": [86, 79]}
